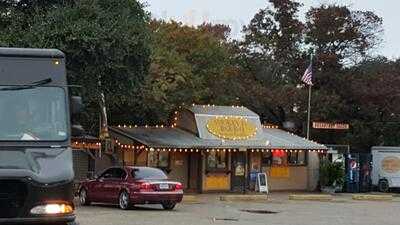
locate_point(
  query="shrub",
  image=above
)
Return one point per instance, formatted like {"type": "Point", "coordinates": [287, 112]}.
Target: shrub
{"type": "Point", "coordinates": [331, 173]}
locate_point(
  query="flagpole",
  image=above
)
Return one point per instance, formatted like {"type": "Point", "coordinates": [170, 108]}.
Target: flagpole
{"type": "Point", "coordinates": [309, 103]}
{"type": "Point", "coordinates": [309, 112]}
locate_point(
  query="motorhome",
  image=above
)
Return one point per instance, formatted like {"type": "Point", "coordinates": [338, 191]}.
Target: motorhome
{"type": "Point", "coordinates": [36, 172]}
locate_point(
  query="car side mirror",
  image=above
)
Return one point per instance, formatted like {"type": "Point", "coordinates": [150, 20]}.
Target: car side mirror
{"type": "Point", "coordinates": [76, 105]}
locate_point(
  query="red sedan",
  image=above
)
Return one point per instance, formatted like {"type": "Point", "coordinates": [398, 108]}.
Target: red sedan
{"type": "Point", "coordinates": [128, 186]}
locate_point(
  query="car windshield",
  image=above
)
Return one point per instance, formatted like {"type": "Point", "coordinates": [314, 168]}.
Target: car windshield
{"type": "Point", "coordinates": [149, 173]}
{"type": "Point", "coordinates": [32, 114]}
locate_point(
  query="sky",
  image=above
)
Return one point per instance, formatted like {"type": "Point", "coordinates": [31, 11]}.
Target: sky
{"type": "Point", "coordinates": [237, 13]}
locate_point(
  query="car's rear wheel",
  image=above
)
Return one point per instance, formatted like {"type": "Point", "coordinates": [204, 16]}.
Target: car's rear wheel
{"type": "Point", "coordinates": [123, 201]}
{"type": "Point", "coordinates": [168, 205]}
{"type": "Point", "coordinates": [83, 199]}
{"type": "Point", "coordinates": [383, 186]}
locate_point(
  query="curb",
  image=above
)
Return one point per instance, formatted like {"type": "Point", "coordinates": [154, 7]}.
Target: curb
{"type": "Point", "coordinates": [190, 199]}
{"type": "Point", "coordinates": [372, 197]}
{"type": "Point", "coordinates": [243, 198]}
{"type": "Point", "coordinates": [323, 198]}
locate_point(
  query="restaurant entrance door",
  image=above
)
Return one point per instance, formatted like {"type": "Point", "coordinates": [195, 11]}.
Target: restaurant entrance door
{"type": "Point", "coordinates": [238, 177]}
{"type": "Point", "coordinates": [194, 181]}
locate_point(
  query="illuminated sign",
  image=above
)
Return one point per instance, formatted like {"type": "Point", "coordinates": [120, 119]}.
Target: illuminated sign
{"type": "Point", "coordinates": [391, 164]}
{"type": "Point", "coordinates": [232, 128]}
{"type": "Point", "coordinates": [331, 126]}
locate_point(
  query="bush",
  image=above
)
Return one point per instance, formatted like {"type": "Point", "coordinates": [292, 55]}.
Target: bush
{"type": "Point", "coordinates": [331, 174]}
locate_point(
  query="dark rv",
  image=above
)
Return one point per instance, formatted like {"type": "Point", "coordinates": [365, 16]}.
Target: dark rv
{"type": "Point", "coordinates": [36, 173]}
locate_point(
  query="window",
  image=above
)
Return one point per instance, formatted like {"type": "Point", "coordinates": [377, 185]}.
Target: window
{"type": "Point", "coordinates": [279, 158]}
{"type": "Point", "coordinates": [148, 173]}
{"type": "Point", "coordinates": [297, 158]}
{"type": "Point", "coordinates": [217, 161]}
{"type": "Point", "coordinates": [158, 159]}
{"type": "Point", "coordinates": [266, 159]}
{"type": "Point", "coordinates": [114, 173]}
{"type": "Point", "coordinates": [40, 115]}
{"type": "Point", "coordinates": [283, 158]}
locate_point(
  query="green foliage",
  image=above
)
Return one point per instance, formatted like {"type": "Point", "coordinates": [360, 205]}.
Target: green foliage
{"type": "Point", "coordinates": [189, 64]}
{"type": "Point", "coordinates": [107, 43]}
{"type": "Point", "coordinates": [148, 68]}
{"type": "Point", "coordinates": [349, 87]}
{"type": "Point", "coordinates": [331, 174]}
{"type": "Point", "coordinates": [339, 33]}
{"type": "Point", "coordinates": [273, 40]}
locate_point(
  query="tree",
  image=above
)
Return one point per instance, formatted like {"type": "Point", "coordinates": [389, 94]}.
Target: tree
{"type": "Point", "coordinates": [20, 12]}
{"type": "Point", "coordinates": [273, 41]}
{"type": "Point", "coordinates": [107, 44]}
{"type": "Point", "coordinates": [271, 59]}
{"type": "Point", "coordinates": [338, 34]}
{"type": "Point", "coordinates": [273, 56]}
{"type": "Point", "coordinates": [189, 65]}
{"type": "Point", "coordinates": [375, 103]}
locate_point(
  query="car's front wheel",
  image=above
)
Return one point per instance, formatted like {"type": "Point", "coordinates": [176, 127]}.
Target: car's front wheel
{"type": "Point", "coordinates": [168, 205]}
{"type": "Point", "coordinates": [123, 201]}
{"type": "Point", "coordinates": [83, 199]}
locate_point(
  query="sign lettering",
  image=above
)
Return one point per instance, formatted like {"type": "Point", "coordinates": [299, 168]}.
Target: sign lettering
{"type": "Point", "coordinates": [331, 126]}
{"type": "Point", "coordinates": [232, 128]}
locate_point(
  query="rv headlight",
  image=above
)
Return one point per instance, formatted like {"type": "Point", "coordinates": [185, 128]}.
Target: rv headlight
{"type": "Point", "coordinates": [52, 209]}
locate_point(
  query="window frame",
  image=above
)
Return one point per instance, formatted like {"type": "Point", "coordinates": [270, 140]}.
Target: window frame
{"type": "Point", "coordinates": [297, 158]}
{"type": "Point", "coordinates": [216, 169]}
{"type": "Point", "coordinates": [288, 163]}
{"type": "Point", "coordinates": [158, 160]}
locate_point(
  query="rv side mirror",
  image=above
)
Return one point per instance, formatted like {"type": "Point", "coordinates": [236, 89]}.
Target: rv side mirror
{"type": "Point", "coordinates": [77, 131]}
{"type": "Point", "coordinates": [76, 105]}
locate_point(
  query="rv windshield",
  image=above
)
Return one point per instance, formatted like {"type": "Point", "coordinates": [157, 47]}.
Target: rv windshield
{"type": "Point", "coordinates": [32, 114]}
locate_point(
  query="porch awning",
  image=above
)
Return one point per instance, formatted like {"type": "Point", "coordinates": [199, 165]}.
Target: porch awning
{"type": "Point", "coordinates": [168, 137]}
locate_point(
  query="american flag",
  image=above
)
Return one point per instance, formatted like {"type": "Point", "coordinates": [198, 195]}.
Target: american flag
{"type": "Point", "coordinates": [307, 77]}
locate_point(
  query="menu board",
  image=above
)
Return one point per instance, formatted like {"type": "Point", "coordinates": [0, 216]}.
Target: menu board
{"type": "Point", "coordinates": [262, 183]}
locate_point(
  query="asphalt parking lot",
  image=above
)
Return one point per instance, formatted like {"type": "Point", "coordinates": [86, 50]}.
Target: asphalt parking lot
{"type": "Point", "coordinates": [280, 211]}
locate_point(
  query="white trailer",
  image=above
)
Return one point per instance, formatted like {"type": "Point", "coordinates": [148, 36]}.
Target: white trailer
{"type": "Point", "coordinates": [385, 167]}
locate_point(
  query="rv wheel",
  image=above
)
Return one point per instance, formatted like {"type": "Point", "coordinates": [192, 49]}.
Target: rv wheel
{"type": "Point", "coordinates": [383, 186]}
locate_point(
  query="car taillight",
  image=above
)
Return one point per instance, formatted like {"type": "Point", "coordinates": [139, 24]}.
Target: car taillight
{"type": "Point", "coordinates": [145, 187]}
{"type": "Point", "coordinates": [178, 186]}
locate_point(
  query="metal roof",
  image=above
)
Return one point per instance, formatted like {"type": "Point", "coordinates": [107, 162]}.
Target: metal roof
{"type": "Point", "coordinates": [282, 139]}
{"type": "Point", "coordinates": [168, 137]}
{"type": "Point", "coordinates": [31, 53]}
{"type": "Point", "coordinates": [222, 110]}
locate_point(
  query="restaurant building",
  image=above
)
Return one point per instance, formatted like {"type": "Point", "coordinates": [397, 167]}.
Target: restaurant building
{"type": "Point", "coordinates": [220, 149]}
